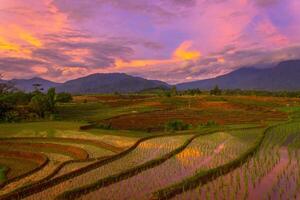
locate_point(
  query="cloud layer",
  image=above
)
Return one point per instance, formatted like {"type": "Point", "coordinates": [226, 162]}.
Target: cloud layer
{"type": "Point", "coordinates": [171, 40]}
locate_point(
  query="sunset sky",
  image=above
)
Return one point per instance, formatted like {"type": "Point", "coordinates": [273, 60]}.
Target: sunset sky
{"type": "Point", "coordinates": [170, 40]}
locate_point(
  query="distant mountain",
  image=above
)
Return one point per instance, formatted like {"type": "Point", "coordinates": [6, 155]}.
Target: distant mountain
{"type": "Point", "coordinates": [27, 84]}
{"type": "Point", "coordinates": [284, 76]}
{"type": "Point", "coordinates": [109, 83]}
{"type": "Point", "coordinates": [95, 83]}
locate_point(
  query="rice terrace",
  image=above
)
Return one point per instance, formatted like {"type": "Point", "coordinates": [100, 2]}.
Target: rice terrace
{"type": "Point", "coordinates": [150, 99]}
{"type": "Point", "coordinates": [149, 146]}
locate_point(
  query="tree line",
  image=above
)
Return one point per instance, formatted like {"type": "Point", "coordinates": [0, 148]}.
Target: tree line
{"type": "Point", "coordinates": [238, 92]}
{"type": "Point", "coordinates": [216, 90]}
{"type": "Point", "coordinates": [16, 105]}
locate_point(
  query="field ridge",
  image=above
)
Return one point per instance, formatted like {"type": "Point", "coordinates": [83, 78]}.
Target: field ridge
{"type": "Point", "coordinates": [36, 188]}
{"type": "Point", "coordinates": [204, 177]}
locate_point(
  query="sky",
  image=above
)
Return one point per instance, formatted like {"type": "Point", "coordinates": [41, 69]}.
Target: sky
{"type": "Point", "coordinates": [169, 40]}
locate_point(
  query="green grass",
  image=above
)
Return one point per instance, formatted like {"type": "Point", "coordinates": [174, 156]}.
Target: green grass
{"type": "Point", "coordinates": [3, 170]}
{"type": "Point", "coordinates": [293, 111]}
{"type": "Point", "coordinates": [88, 112]}
{"type": "Point", "coordinates": [252, 102]}
{"type": "Point", "coordinates": [289, 109]}
{"type": "Point", "coordinates": [125, 133]}
{"type": "Point", "coordinates": [175, 101]}
{"type": "Point", "coordinates": [36, 128]}
{"type": "Point", "coordinates": [237, 126]}
{"type": "Point", "coordinates": [215, 98]}
{"type": "Point", "coordinates": [60, 128]}
{"type": "Point", "coordinates": [81, 111]}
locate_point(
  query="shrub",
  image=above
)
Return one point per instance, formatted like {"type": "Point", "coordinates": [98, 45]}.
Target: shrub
{"type": "Point", "coordinates": [104, 126]}
{"type": "Point", "coordinates": [168, 94]}
{"type": "Point", "coordinates": [54, 117]}
{"type": "Point", "coordinates": [17, 98]}
{"type": "Point", "coordinates": [13, 116]}
{"type": "Point", "coordinates": [5, 107]}
{"type": "Point", "coordinates": [51, 99]}
{"type": "Point", "coordinates": [176, 125]}
{"type": "Point", "coordinates": [39, 105]}
{"type": "Point", "coordinates": [216, 91]}
{"type": "Point", "coordinates": [210, 123]}
{"type": "Point", "coordinates": [64, 97]}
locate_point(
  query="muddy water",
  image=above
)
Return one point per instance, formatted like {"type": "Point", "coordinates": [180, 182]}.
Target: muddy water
{"type": "Point", "coordinates": [266, 183]}
{"type": "Point", "coordinates": [143, 153]}
{"type": "Point", "coordinates": [157, 177]}
{"type": "Point", "coordinates": [216, 152]}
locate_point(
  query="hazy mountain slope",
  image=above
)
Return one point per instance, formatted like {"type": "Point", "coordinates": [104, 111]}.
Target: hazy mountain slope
{"type": "Point", "coordinates": [27, 84]}
{"type": "Point", "coordinates": [109, 83]}
{"type": "Point", "coordinates": [95, 83]}
{"type": "Point", "coordinates": [284, 76]}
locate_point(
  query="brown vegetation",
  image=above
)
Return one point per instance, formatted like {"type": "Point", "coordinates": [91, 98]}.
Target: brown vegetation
{"type": "Point", "coordinates": [75, 152]}
{"type": "Point", "coordinates": [156, 120]}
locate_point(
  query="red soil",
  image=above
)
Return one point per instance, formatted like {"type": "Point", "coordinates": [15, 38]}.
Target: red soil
{"type": "Point", "coordinates": [35, 157]}
{"type": "Point", "coordinates": [156, 120]}
{"type": "Point", "coordinates": [75, 152]}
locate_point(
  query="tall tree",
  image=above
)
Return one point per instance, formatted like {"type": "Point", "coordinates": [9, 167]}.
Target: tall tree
{"type": "Point", "coordinates": [174, 91]}
{"type": "Point", "coordinates": [5, 87]}
{"type": "Point", "coordinates": [39, 104]}
{"type": "Point", "coordinates": [216, 91]}
{"type": "Point", "coordinates": [51, 96]}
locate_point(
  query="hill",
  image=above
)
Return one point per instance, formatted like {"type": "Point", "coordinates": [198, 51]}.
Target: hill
{"type": "Point", "coordinates": [95, 83]}
{"type": "Point", "coordinates": [284, 76]}
{"type": "Point", "coordinates": [27, 84]}
{"type": "Point", "coordinates": [109, 83]}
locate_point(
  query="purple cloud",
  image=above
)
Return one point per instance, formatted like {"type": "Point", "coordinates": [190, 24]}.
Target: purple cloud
{"type": "Point", "coordinates": [78, 37]}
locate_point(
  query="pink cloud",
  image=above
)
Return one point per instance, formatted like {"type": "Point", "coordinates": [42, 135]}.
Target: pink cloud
{"type": "Point", "coordinates": [62, 40]}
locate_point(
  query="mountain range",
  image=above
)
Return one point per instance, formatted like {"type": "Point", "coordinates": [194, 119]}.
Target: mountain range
{"type": "Point", "coordinates": [283, 76]}
{"type": "Point", "coordinates": [27, 84]}
{"type": "Point", "coordinates": [109, 83]}
{"type": "Point", "coordinates": [94, 83]}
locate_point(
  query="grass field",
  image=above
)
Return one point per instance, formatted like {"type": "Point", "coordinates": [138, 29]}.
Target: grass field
{"type": "Point", "coordinates": [3, 171]}
{"type": "Point", "coordinates": [118, 147]}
